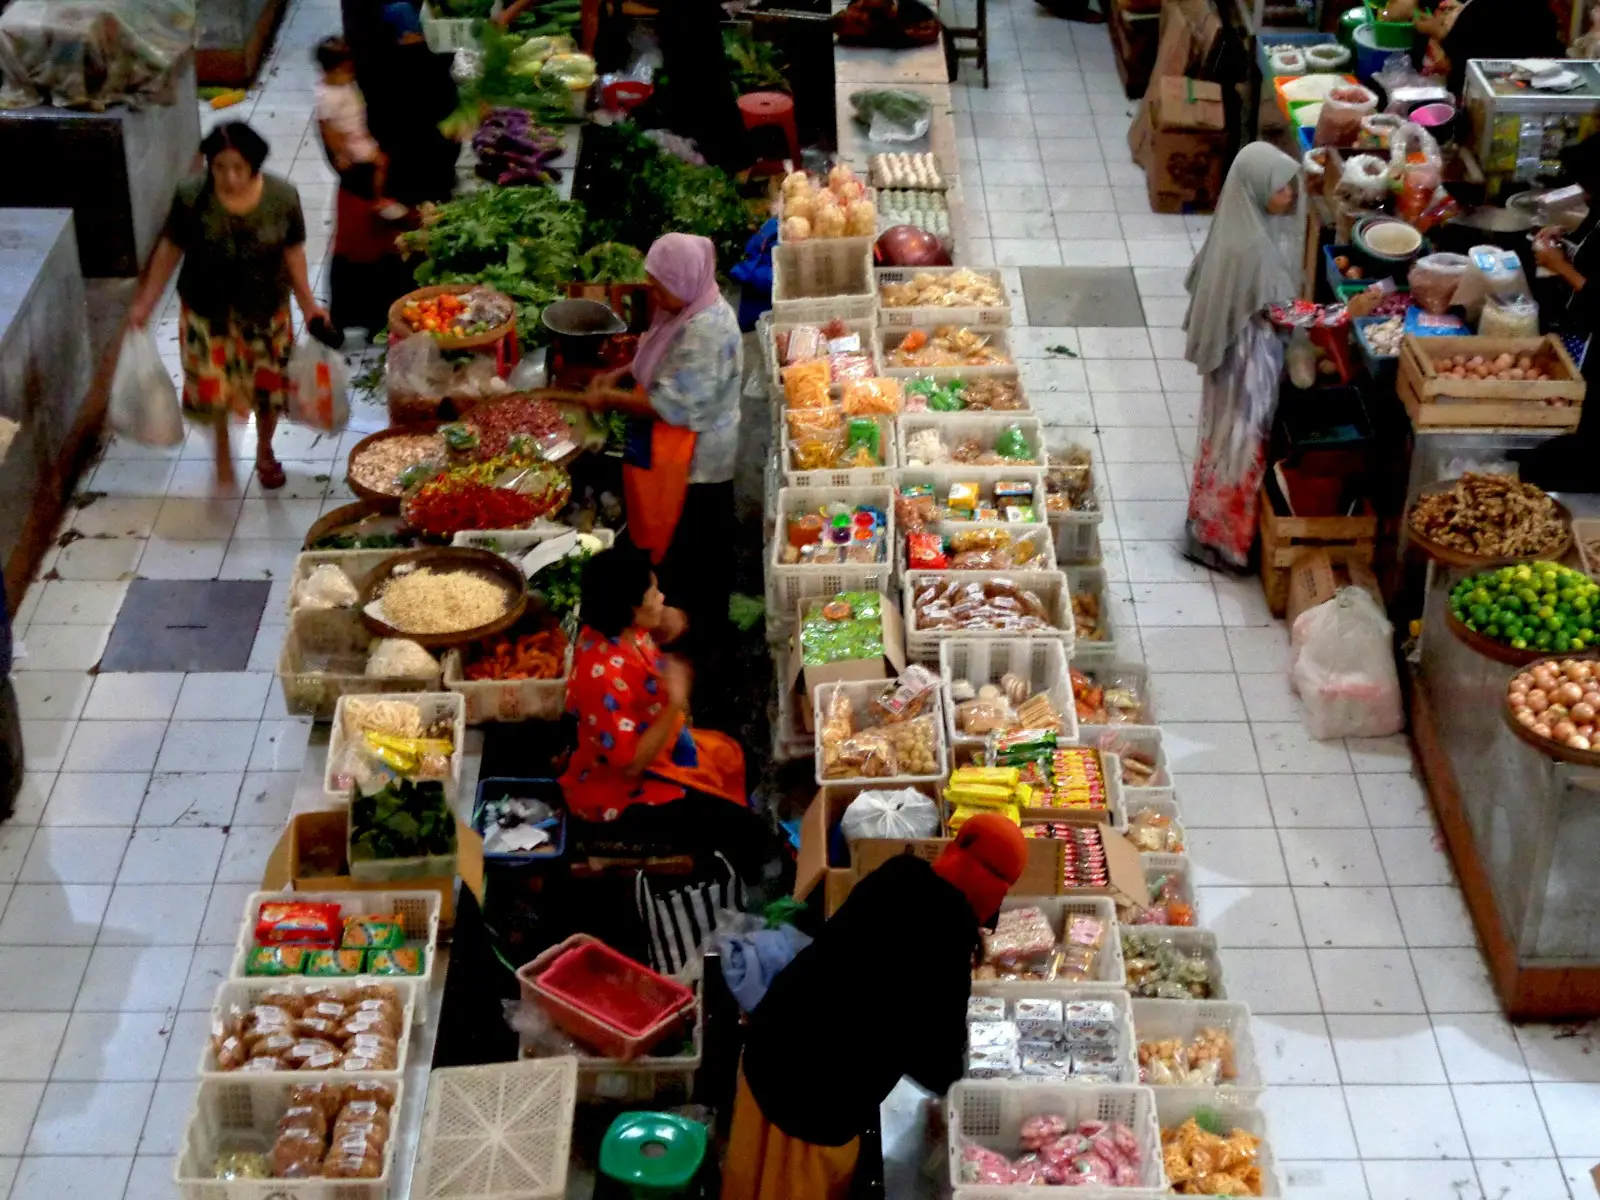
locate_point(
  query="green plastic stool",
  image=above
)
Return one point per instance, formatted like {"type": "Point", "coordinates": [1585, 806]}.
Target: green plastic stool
{"type": "Point", "coordinates": [653, 1155]}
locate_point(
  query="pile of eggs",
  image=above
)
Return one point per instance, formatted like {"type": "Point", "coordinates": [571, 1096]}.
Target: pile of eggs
{"type": "Point", "coordinates": [1558, 699]}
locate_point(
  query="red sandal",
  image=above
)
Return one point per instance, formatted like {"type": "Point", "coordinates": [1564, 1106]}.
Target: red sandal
{"type": "Point", "coordinates": [271, 474]}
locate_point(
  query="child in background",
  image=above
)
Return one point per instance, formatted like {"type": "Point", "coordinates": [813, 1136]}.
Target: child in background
{"type": "Point", "coordinates": [342, 117]}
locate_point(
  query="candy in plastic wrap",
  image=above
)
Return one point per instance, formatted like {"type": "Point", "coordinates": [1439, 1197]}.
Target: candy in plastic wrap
{"type": "Point", "coordinates": [1038, 1018]}
{"type": "Point", "coordinates": [1095, 1060]}
{"type": "Point", "coordinates": [986, 1008]}
{"type": "Point", "coordinates": [990, 1035]}
{"type": "Point", "coordinates": [1090, 1021]}
{"type": "Point", "coordinates": [1019, 933]}
{"type": "Point", "coordinates": [984, 1166]}
{"type": "Point", "coordinates": [1043, 1060]}
{"type": "Point", "coordinates": [995, 1062]}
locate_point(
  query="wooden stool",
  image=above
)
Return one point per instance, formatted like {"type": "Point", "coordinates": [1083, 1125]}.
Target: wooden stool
{"type": "Point", "coordinates": [761, 109]}
{"type": "Point", "coordinates": [978, 51]}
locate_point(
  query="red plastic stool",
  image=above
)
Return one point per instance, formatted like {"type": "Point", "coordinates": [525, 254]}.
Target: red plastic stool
{"type": "Point", "coordinates": [761, 109]}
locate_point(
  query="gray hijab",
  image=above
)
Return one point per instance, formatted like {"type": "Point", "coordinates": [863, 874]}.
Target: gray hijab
{"type": "Point", "coordinates": [1241, 268]}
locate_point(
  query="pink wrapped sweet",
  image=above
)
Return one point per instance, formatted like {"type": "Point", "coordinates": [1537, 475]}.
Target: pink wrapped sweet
{"type": "Point", "coordinates": [1038, 1132]}
{"type": "Point", "coordinates": [1030, 1171]}
{"type": "Point", "coordinates": [982, 1165]}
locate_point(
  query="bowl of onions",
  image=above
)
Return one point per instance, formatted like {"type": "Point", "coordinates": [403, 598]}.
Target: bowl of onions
{"type": "Point", "coordinates": [1554, 705]}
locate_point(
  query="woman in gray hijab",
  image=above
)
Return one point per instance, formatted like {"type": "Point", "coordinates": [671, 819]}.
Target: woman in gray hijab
{"type": "Point", "coordinates": [1239, 271]}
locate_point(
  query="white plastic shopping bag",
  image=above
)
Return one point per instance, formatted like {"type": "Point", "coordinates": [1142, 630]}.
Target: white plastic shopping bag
{"type": "Point", "coordinates": [1343, 668]}
{"type": "Point", "coordinates": [318, 387]}
{"type": "Point", "coordinates": [144, 405]}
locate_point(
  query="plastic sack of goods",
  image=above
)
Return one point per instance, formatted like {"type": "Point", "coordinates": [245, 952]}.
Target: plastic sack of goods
{"type": "Point", "coordinates": [1343, 668]}
{"type": "Point", "coordinates": [91, 53]}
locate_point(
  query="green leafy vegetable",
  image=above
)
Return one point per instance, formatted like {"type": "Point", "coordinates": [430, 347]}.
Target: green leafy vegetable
{"type": "Point", "coordinates": [754, 66]}
{"type": "Point", "coordinates": [500, 85]}
{"type": "Point", "coordinates": [406, 819]}
{"type": "Point", "coordinates": [746, 612]}
{"type": "Point", "coordinates": [610, 262]}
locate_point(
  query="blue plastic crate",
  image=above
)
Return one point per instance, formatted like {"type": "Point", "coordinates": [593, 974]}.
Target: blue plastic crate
{"type": "Point", "coordinates": [1381, 368]}
{"type": "Point", "coordinates": [1338, 285]}
{"type": "Point", "coordinates": [547, 790]}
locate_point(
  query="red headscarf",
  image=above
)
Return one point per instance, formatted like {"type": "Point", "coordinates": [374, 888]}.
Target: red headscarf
{"type": "Point", "coordinates": [983, 861]}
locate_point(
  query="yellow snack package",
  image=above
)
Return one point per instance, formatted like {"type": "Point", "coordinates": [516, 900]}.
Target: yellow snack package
{"type": "Point", "coordinates": [963, 496]}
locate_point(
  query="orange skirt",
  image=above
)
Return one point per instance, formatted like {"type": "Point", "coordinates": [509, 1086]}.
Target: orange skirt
{"type": "Point", "coordinates": [764, 1163]}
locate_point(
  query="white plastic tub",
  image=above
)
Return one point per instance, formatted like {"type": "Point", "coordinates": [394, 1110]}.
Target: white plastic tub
{"type": "Point", "coordinates": [1042, 661]}
{"type": "Point", "coordinates": [1162, 1020]}
{"type": "Point", "coordinates": [860, 696]}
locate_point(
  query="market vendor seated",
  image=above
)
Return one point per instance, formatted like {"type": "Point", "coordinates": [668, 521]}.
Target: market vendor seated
{"type": "Point", "coordinates": [678, 466]}
{"type": "Point", "coordinates": [638, 767]}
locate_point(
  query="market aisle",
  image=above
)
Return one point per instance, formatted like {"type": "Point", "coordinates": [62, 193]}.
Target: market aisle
{"type": "Point", "coordinates": [1392, 1073]}
{"type": "Point", "coordinates": [154, 798]}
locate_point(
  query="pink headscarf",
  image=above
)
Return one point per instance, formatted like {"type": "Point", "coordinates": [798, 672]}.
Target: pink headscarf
{"type": "Point", "coordinates": [686, 266]}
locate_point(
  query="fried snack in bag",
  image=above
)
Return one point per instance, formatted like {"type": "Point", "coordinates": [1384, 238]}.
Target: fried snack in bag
{"type": "Point", "coordinates": [805, 385]}
{"type": "Point", "coordinates": [872, 397]}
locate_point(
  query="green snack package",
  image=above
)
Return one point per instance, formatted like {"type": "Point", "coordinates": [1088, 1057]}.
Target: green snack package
{"type": "Point", "coordinates": [459, 436]}
{"type": "Point", "coordinates": [335, 962]}
{"type": "Point", "coordinates": [403, 961]}
{"type": "Point", "coordinates": [276, 960]}
{"type": "Point", "coordinates": [864, 431]}
{"type": "Point", "coordinates": [373, 933]}
{"type": "Point", "coordinates": [1013, 443]}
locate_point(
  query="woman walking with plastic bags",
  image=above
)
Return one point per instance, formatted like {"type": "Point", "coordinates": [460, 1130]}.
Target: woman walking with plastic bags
{"type": "Point", "coordinates": [1239, 271]}
{"type": "Point", "coordinates": [240, 236]}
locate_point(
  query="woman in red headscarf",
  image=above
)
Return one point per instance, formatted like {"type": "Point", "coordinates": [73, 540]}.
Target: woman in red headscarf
{"type": "Point", "coordinates": [678, 464]}
{"type": "Point", "coordinates": [815, 1072]}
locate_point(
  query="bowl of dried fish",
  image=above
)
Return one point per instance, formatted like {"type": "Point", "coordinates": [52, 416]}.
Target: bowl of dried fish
{"type": "Point", "coordinates": [1478, 520]}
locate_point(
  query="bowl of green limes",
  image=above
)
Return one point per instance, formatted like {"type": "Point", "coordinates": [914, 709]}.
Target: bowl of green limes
{"type": "Point", "coordinates": [1525, 611]}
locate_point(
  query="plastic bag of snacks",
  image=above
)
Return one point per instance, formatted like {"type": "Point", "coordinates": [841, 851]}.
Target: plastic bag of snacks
{"type": "Point", "coordinates": [806, 385]}
{"type": "Point", "coordinates": [863, 397]}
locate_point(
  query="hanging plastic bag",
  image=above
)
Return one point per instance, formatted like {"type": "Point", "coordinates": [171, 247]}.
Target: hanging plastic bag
{"type": "Point", "coordinates": [318, 387]}
{"type": "Point", "coordinates": [905, 813]}
{"type": "Point", "coordinates": [1343, 668]}
{"type": "Point", "coordinates": [144, 405]}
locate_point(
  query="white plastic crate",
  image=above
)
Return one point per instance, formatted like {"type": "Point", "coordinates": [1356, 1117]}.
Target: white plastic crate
{"type": "Point", "coordinates": [1187, 940]}
{"type": "Point", "coordinates": [418, 913]}
{"type": "Point", "coordinates": [941, 478]}
{"type": "Point", "coordinates": [1147, 739]}
{"type": "Point", "coordinates": [991, 1113]}
{"type": "Point", "coordinates": [789, 583]}
{"type": "Point", "coordinates": [1162, 1020]}
{"type": "Point", "coordinates": [359, 565]}
{"type": "Point", "coordinates": [324, 656]}
{"type": "Point", "coordinates": [1174, 1106]}
{"type": "Point", "coordinates": [650, 1078]}
{"type": "Point", "coordinates": [841, 476]}
{"type": "Point", "coordinates": [985, 426]}
{"type": "Point", "coordinates": [1037, 536]}
{"type": "Point", "coordinates": [947, 374]}
{"type": "Point", "coordinates": [863, 327]}
{"type": "Point", "coordinates": [871, 196]}
{"type": "Point", "coordinates": [922, 645]}
{"type": "Point", "coordinates": [1092, 580]}
{"type": "Point", "coordinates": [244, 993]}
{"type": "Point", "coordinates": [445, 35]}
{"type": "Point", "coordinates": [497, 1131]}
{"type": "Point", "coordinates": [1162, 807]}
{"type": "Point", "coordinates": [816, 281]}
{"type": "Point", "coordinates": [242, 1110]}
{"type": "Point", "coordinates": [1109, 972]}
{"type": "Point", "coordinates": [489, 700]}
{"type": "Point", "coordinates": [1040, 660]}
{"type": "Point", "coordinates": [888, 339]}
{"type": "Point", "coordinates": [1077, 530]}
{"type": "Point", "coordinates": [1176, 867]}
{"type": "Point", "coordinates": [435, 706]}
{"type": "Point", "coordinates": [1127, 1068]}
{"type": "Point", "coordinates": [1128, 674]}
{"type": "Point", "coordinates": [860, 695]}
{"type": "Point", "coordinates": [987, 317]}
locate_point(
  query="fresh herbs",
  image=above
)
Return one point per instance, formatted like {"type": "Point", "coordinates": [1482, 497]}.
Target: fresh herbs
{"type": "Point", "coordinates": [405, 819]}
{"type": "Point", "coordinates": [754, 66]}
{"type": "Point", "coordinates": [500, 84]}
{"type": "Point", "coordinates": [561, 586]}
{"type": "Point", "coordinates": [611, 262]}
{"type": "Point", "coordinates": [634, 191]}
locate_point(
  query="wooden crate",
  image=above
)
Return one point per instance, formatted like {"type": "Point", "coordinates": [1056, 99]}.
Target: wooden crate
{"type": "Point", "coordinates": [1284, 539]}
{"type": "Point", "coordinates": [1434, 401]}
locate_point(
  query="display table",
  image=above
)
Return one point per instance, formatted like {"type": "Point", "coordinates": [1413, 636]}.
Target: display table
{"type": "Point", "coordinates": [1523, 829]}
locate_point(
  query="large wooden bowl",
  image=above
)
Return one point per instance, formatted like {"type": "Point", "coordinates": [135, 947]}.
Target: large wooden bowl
{"type": "Point", "coordinates": [382, 501]}
{"type": "Point", "coordinates": [347, 515]}
{"type": "Point", "coordinates": [1489, 648]}
{"type": "Point", "coordinates": [1546, 746]}
{"type": "Point", "coordinates": [449, 558]}
{"type": "Point", "coordinates": [1452, 557]}
{"type": "Point", "coordinates": [399, 329]}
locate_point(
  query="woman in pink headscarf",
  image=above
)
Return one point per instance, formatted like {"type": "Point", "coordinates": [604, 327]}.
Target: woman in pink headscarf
{"type": "Point", "coordinates": [678, 467]}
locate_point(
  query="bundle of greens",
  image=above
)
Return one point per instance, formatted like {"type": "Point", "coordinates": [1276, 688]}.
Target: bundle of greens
{"type": "Point", "coordinates": [406, 819]}
{"type": "Point", "coordinates": [754, 66]}
{"type": "Point", "coordinates": [521, 241]}
{"type": "Point", "coordinates": [501, 85]}
{"type": "Point", "coordinates": [633, 192]}
{"type": "Point", "coordinates": [612, 263]}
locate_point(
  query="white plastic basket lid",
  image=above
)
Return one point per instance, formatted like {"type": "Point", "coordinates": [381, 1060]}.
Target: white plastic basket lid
{"type": "Point", "coordinates": [498, 1131]}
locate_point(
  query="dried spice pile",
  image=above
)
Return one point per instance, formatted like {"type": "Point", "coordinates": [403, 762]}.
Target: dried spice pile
{"type": "Point", "coordinates": [1492, 516]}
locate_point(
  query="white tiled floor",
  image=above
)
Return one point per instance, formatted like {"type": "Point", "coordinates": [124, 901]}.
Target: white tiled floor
{"type": "Point", "coordinates": [154, 799]}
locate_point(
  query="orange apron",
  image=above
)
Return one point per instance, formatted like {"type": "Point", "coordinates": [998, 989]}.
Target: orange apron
{"type": "Point", "coordinates": [719, 770]}
{"type": "Point", "coordinates": [764, 1163]}
{"type": "Point", "coordinates": [655, 494]}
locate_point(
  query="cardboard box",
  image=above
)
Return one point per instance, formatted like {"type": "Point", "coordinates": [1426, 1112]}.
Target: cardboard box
{"type": "Point", "coordinates": [853, 670]}
{"type": "Point", "coordinates": [313, 842]}
{"type": "Point", "coordinates": [1186, 141]}
{"type": "Point", "coordinates": [1182, 103]}
{"type": "Point", "coordinates": [1315, 578]}
{"type": "Point", "coordinates": [1041, 877]}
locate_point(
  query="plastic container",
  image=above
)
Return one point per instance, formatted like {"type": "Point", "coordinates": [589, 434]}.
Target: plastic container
{"type": "Point", "coordinates": [496, 1132]}
{"type": "Point", "coordinates": [418, 913]}
{"type": "Point", "coordinates": [871, 196]}
{"type": "Point", "coordinates": [1041, 661]}
{"type": "Point", "coordinates": [1109, 972]}
{"type": "Point", "coordinates": [359, 565]}
{"type": "Point", "coordinates": [991, 1114]}
{"type": "Point", "coordinates": [324, 657]}
{"type": "Point", "coordinates": [1077, 530]}
{"type": "Point", "coordinates": [547, 790]}
{"type": "Point", "coordinates": [1145, 738]}
{"type": "Point", "coordinates": [790, 583]}
{"type": "Point", "coordinates": [860, 696]}
{"type": "Point", "coordinates": [1159, 806]}
{"type": "Point", "coordinates": [1186, 940]}
{"type": "Point", "coordinates": [1127, 1069]}
{"type": "Point", "coordinates": [435, 706]}
{"type": "Point", "coordinates": [816, 281]}
{"type": "Point", "coordinates": [489, 700]}
{"type": "Point", "coordinates": [1037, 536]}
{"type": "Point", "coordinates": [1234, 1109]}
{"type": "Point", "coordinates": [1052, 588]}
{"type": "Point", "coordinates": [1125, 674]}
{"type": "Point", "coordinates": [863, 327]}
{"type": "Point", "coordinates": [1092, 580]}
{"type": "Point", "coordinates": [445, 35]}
{"type": "Point", "coordinates": [659, 1080]}
{"type": "Point", "coordinates": [243, 993]}
{"type": "Point", "coordinates": [945, 374]}
{"type": "Point", "coordinates": [845, 477]}
{"type": "Point", "coordinates": [889, 338]}
{"type": "Point", "coordinates": [1160, 1020]}
{"type": "Point", "coordinates": [606, 1000]}
{"type": "Point", "coordinates": [1173, 867]}
{"type": "Point", "coordinates": [987, 317]}
{"type": "Point", "coordinates": [1381, 368]}
{"type": "Point", "coordinates": [242, 1111]}
{"type": "Point", "coordinates": [1390, 35]}
{"type": "Point", "coordinates": [985, 426]}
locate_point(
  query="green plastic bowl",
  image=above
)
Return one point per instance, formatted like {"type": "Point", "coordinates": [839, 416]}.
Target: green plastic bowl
{"type": "Point", "coordinates": [1352, 20]}
{"type": "Point", "coordinates": [1389, 35]}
